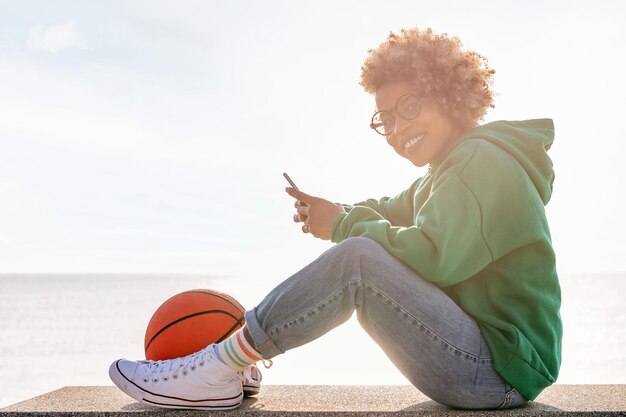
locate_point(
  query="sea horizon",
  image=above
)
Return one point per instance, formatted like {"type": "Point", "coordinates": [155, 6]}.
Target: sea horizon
{"type": "Point", "coordinates": [63, 329]}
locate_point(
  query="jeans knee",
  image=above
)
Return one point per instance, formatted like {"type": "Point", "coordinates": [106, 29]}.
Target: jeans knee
{"type": "Point", "coordinates": [357, 246]}
{"type": "Point", "coordinates": [368, 259]}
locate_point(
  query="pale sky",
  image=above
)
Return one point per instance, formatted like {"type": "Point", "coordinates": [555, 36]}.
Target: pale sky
{"type": "Point", "coordinates": [150, 136]}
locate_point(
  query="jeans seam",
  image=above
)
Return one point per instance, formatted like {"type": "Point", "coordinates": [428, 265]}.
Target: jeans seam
{"type": "Point", "coordinates": [508, 397]}
{"type": "Point", "coordinates": [474, 357]}
{"type": "Point", "coordinates": [306, 313]}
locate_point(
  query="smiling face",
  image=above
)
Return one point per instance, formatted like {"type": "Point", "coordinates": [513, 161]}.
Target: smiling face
{"type": "Point", "coordinates": [426, 139]}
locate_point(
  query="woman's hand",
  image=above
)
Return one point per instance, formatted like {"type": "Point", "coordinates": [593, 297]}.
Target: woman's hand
{"type": "Point", "coordinates": [317, 214]}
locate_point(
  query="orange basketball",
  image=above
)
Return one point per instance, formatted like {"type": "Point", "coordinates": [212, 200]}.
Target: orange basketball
{"type": "Point", "coordinates": [190, 321]}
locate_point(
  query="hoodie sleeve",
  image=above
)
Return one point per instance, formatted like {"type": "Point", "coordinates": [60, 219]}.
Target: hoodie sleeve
{"type": "Point", "coordinates": [443, 244]}
{"type": "Point", "coordinates": [397, 210]}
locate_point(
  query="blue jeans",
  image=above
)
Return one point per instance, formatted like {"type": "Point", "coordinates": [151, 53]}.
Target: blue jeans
{"type": "Point", "coordinates": [435, 344]}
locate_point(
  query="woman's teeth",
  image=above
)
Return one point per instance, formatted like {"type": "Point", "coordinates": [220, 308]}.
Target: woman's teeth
{"type": "Point", "coordinates": [413, 141]}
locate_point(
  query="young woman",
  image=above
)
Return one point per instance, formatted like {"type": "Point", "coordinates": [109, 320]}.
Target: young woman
{"type": "Point", "coordinates": [454, 278]}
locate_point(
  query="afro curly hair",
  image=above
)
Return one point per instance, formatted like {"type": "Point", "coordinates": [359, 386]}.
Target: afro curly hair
{"type": "Point", "coordinates": [458, 81]}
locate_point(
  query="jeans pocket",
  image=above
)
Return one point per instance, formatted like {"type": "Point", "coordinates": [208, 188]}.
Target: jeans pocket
{"type": "Point", "coordinates": [512, 399]}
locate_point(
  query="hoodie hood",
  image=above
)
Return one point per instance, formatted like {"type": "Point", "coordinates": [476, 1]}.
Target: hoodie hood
{"type": "Point", "coordinates": [528, 142]}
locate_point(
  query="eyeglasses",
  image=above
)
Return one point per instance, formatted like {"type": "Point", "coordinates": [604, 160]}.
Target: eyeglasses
{"type": "Point", "coordinates": [407, 107]}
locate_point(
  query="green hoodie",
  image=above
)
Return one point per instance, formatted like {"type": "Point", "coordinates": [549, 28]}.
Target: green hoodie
{"type": "Point", "coordinates": [475, 225]}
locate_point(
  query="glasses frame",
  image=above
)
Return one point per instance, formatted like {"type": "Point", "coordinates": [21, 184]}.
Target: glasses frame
{"type": "Point", "coordinates": [375, 126]}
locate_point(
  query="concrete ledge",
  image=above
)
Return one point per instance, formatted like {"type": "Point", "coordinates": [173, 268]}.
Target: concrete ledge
{"type": "Point", "coordinates": [324, 400]}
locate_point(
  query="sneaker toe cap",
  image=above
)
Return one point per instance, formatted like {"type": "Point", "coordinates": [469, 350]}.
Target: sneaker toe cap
{"type": "Point", "coordinates": [125, 367]}
{"type": "Point", "coordinates": [122, 372]}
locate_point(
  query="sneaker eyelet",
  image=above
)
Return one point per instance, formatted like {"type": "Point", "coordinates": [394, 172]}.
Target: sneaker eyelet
{"type": "Point", "coordinates": [201, 363]}
{"type": "Point", "coordinates": [155, 380]}
{"type": "Point", "coordinates": [175, 376]}
{"type": "Point", "coordinates": [165, 379]}
{"type": "Point", "coordinates": [193, 368]}
{"type": "Point", "coordinates": [145, 380]}
{"type": "Point", "coordinates": [184, 372]}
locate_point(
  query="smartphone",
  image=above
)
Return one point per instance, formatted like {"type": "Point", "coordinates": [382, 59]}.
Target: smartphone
{"type": "Point", "coordinates": [290, 181]}
{"type": "Point", "coordinates": [293, 185]}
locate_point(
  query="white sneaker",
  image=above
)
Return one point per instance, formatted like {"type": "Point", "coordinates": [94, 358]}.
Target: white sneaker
{"type": "Point", "coordinates": [251, 377]}
{"type": "Point", "coordinates": [199, 381]}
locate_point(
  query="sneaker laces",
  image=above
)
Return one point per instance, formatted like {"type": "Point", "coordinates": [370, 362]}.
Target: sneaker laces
{"type": "Point", "coordinates": [164, 369]}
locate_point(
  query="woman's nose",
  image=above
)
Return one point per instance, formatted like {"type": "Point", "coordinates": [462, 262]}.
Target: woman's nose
{"type": "Point", "coordinates": [400, 125]}
{"type": "Point", "coordinates": [399, 128]}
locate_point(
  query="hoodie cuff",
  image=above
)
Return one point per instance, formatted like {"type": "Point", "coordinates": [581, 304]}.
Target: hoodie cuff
{"type": "Point", "coordinates": [335, 231]}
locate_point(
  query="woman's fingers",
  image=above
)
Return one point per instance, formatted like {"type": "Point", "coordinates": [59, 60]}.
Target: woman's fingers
{"type": "Point", "coordinates": [304, 198]}
{"type": "Point", "coordinates": [302, 213]}
{"type": "Point", "coordinates": [299, 218]}
{"type": "Point", "coordinates": [323, 211]}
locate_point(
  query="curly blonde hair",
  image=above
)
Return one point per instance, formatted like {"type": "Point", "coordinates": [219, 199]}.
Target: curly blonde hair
{"type": "Point", "coordinates": [458, 81]}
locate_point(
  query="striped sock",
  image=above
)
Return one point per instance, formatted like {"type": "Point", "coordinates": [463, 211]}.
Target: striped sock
{"type": "Point", "coordinates": [238, 350]}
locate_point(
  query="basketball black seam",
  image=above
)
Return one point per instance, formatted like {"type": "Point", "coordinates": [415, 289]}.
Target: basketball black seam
{"type": "Point", "coordinates": [243, 310]}
{"type": "Point", "coordinates": [225, 335]}
{"type": "Point", "coordinates": [187, 317]}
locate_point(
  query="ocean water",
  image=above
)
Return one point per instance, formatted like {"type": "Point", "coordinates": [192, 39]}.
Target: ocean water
{"type": "Point", "coordinates": [60, 330]}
